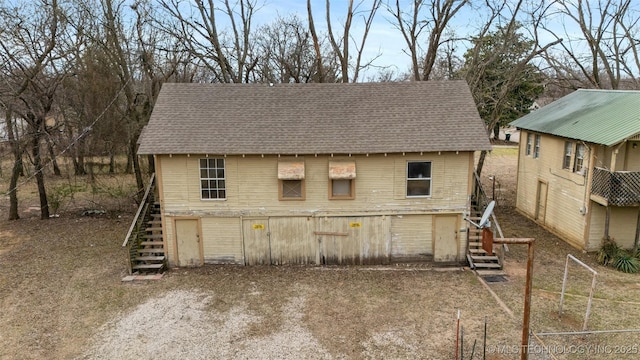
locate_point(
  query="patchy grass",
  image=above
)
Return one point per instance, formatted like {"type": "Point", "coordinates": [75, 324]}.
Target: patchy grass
{"type": "Point", "coordinates": [60, 284]}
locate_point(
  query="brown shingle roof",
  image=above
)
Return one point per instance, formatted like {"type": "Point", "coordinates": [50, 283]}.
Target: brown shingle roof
{"type": "Point", "coordinates": [314, 119]}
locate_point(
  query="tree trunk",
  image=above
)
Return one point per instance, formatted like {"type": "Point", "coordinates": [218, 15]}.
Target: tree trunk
{"type": "Point", "coordinates": [496, 131]}
{"type": "Point", "coordinates": [136, 168]}
{"type": "Point", "coordinates": [13, 186]}
{"type": "Point", "coordinates": [39, 174]}
{"type": "Point", "coordinates": [152, 164]}
{"type": "Point", "coordinates": [483, 155]}
{"type": "Point", "coordinates": [56, 169]}
{"type": "Point", "coordinates": [112, 163]}
{"type": "Point", "coordinates": [17, 166]}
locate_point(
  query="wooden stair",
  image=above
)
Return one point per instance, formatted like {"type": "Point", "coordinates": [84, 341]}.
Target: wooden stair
{"type": "Point", "coordinates": [151, 253]}
{"type": "Point", "coordinates": [476, 255]}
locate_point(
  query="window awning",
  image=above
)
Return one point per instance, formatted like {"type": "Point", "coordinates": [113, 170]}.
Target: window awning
{"type": "Point", "coordinates": [291, 170]}
{"type": "Point", "coordinates": [342, 169]}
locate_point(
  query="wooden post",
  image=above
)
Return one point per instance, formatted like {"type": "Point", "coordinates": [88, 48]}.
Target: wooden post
{"type": "Point", "coordinates": [526, 316]}
{"type": "Point", "coordinates": [527, 304]}
{"type": "Point", "coordinates": [607, 217]}
{"type": "Point", "coordinates": [637, 239]}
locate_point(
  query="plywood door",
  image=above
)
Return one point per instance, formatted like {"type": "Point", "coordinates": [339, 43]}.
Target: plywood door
{"type": "Point", "coordinates": [541, 201]}
{"type": "Point", "coordinates": [257, 249]}
{"type": "Point", "coordinates": [445, 245]}
{"type": "Point", "coordinates": [292, 240]}
{"type": "Point", "coordinates": [354, 240]}
{"type": "Point", "coordinates": [188, 243]}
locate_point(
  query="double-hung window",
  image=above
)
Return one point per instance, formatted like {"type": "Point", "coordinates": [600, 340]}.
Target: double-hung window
{"type": "Point", "coordinates": [529, 141]}
{"type": "Point", "coordinates": [418, 178]}
{"type": "Point", "coordinates": [568, 152]}
{"type": "Point", "coordinates": [536, 147]}
{"type": "Point", "coordinates": [578, 165]}
{"type": "Point", "coordinates": [212, 179]}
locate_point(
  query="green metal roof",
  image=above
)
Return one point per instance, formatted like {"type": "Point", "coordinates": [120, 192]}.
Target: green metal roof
{"type": "Point", "coordinates": [604, 117]}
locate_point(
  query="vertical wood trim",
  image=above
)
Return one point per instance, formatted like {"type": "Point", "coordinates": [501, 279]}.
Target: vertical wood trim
{"type": "Point", "coordinates": [521, 152]}
{"type": "Point", "coordinates": [163, 221]}
{"type": "Point", "coordinates": [244, 257]}
{"type": "Point", "coordinates": [587, 196]}
{"type": "Point", "coordinates": [200, 240]}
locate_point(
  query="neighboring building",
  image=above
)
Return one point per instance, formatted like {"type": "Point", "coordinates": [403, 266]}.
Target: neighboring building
{"type": "Point", "coordinates": [579, 167]}
{"type": "Point", "coordinates": [314, 173]}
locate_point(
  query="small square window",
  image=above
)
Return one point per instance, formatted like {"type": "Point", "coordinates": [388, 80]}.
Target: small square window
{"type": "Point", "coordinates": [342, 189]}
{"type": "Point", "coordinates": [291, 190]}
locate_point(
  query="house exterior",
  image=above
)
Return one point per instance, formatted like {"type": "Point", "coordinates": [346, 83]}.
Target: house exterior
{"type": "Point", "coordinates": [579, 167]}
{"type": "Point", "coordinates": [314, 173]}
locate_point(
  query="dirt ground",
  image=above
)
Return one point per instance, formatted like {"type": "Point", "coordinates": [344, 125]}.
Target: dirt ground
{"type": "Point", "coordinates": [61, 297]}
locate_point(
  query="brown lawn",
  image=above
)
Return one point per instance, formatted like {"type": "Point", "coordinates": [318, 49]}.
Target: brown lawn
{"type": "Point", "coordinates": [61, 295]}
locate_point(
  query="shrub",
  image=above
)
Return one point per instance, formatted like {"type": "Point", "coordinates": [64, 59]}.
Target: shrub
{"type": "Point", "coordinates": [608, 252]}
{"type": "Point", "coordinates": [625, 262]}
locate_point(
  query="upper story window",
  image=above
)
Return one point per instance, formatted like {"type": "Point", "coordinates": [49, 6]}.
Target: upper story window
{"type": "Point", "coordinates": [529, 141]}
{"type": "Point", "coordinates": [578, 165]}
{"type": "Point", "coordinates": [418, 178]}
{"type": "Point", "coordinates": [568, 152]}
{"type": "Point", "coordinates": [212, 179]}
{"type": "Point", "coordinates": [291, 180]}
{"type": "Point", "coordinates": [536, 147]}
{"type": "Point", "coordinates": [342, 175]}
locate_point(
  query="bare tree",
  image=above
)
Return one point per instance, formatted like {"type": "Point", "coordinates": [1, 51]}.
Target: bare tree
{"type": "Point", "coordinates": [32, 46]}
{"type": "Point", "coordinates": [425, 16]}
{"type": "Point", "coordinates": [605, 52]}
{"type": "Point", "coordinates": [226, 54]}
{"type": "Point", "coordinates": [488, 50]}
{"type": "Point", "coordinates": [341, 46]}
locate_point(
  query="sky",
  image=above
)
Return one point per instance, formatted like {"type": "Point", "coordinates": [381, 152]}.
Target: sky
{"type": "Point", "coordinates": [383, 37]}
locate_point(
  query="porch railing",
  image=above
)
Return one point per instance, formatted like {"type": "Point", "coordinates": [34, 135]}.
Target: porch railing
{"type": "Point", "coordinates": [619, 188]}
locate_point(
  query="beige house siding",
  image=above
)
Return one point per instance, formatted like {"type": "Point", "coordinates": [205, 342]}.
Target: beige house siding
{"type": "Point", "coordinates": [596, 228]}
{"type": "Point", "coordinates": [632, 160]}
{"type": "Point", "coordinates": [412, 236]}
{"type": "Point", "coordinates": [565, 190]}
{"type": "Point", "coordinates": [622, 225]}
{"type": "Point", "coordinates": [252, 186]}
{"type": "Point", "coordinates": [253, 226]}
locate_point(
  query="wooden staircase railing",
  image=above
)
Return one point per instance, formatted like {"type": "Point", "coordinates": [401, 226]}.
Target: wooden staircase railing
{"type": "Point", "coordinates": [477, 257]}
{"type": "Point", "coordinates": [144, 240]}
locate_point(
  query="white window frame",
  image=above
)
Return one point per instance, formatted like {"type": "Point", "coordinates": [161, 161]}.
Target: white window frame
{"type": "Point", "coordinates": [528, 145]}
{"type": "Point", "coordinates": [568, 154]}
{"type": "Point", "coordinates": [578, 164]}
{"type": "Point", "coordinates": [213, 175]}
{"type": "Point", "coordinates": [428, 178]}
{"type": "Point", "coordinates": [536, 147]}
